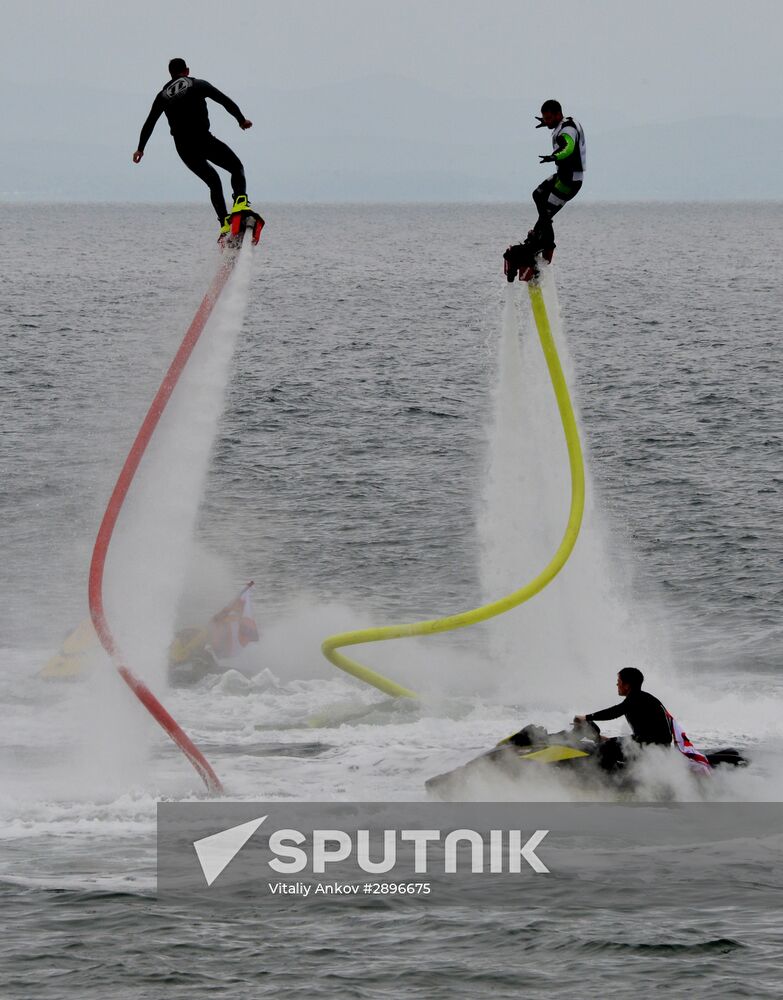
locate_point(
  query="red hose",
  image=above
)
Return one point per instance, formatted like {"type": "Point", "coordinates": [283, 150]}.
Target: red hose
{"type": "Point", "coordinates": [106, 530]}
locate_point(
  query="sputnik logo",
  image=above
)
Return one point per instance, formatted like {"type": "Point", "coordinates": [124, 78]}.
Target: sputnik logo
{"type": "Point", "coordinates": [216, 853]}
{"type": "Point", "coordinates": [328, 847]}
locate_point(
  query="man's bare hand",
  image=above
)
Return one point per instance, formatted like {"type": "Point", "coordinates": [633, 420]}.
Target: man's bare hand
{"type": "Point", "coordinates": [137, 156]}
{"type": "Point", "coordinates": [580, 718]}
{"type": "Point", "coordinates": [245, 124]}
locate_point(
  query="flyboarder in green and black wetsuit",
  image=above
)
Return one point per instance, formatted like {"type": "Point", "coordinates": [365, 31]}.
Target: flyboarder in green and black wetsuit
{"type": "Point", "coordinates": [569, 154]}
{"type": "Point", "coordinates": [183, 101]}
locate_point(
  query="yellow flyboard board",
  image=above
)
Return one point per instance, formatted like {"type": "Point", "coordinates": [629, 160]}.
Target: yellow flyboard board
{"type": "Point", "coordinates": [331, 646]}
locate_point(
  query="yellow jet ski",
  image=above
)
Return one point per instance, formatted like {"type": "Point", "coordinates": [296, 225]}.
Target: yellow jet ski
{"type": "Point", "coordinates": [75, 656]}
{"type": "Point", "coordinates": [189, 656]}
{"type": "Point", "coordinates": [531, 746]}
{"type": "Point", "coordinates": [577, 751]}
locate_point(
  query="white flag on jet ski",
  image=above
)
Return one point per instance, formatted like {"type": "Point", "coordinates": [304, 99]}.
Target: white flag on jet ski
{"type": "Point", "coordinates": [696, 759]}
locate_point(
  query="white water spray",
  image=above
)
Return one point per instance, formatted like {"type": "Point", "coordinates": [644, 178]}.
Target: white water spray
{"type": "Point", "coordinates": [151, 549]}
{"type": "Point", "coordinates": [563, 647]}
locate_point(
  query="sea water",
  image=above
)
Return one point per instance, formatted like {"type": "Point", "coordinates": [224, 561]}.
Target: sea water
{"type": "Point", "coordinates": [380, 448]}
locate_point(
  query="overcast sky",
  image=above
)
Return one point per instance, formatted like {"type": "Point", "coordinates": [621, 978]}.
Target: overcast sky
{"type": "Point", "coordinates": [82, 67]}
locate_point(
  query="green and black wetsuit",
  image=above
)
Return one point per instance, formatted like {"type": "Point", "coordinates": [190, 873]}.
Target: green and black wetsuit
{"type": "Point", "coordinates": [569, 148]}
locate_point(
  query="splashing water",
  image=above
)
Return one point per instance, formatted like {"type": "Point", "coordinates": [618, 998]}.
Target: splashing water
{"type": "Point", "coordinates": [151, 550]}
{"type": "Point", "coordinates": [567, 642]}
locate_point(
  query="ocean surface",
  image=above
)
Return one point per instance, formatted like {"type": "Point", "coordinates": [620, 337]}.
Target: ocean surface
{"type": "Point", "coordinates": [377, 442]}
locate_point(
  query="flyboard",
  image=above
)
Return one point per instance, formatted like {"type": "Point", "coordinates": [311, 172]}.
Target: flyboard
{"type": "Point", "coordinates": [244, 223]}
{"type": "Point", "coordinates": [525, 261]}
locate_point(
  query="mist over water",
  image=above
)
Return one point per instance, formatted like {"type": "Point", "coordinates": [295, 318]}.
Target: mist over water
{"type": "Point", "coordinates": [580, 628]}
{"type": "Point", "coordinates": [152, 547]}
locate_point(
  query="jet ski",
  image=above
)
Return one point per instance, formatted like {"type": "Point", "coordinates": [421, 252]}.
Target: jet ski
{"type": "Point", "coordinates": [189, 658]}
{"type": "Point", "coordinates": [75, 657]}
{"type": "Point", "coordinates": [576, 751]}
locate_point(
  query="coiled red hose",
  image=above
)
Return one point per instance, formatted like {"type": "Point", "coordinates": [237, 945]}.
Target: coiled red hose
{"type": "Point", "coordinates": [116, 501]}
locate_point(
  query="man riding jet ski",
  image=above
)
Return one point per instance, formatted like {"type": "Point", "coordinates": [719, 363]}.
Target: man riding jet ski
{"type": "Point", "coordinates": [583, 752]}
{"type": "Point", "coordinates": [649, 721]}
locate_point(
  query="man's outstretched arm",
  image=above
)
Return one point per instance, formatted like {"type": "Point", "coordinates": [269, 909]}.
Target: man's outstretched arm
{"type": "Point", "coordinates": [146, 130]}
{"type": "Point", "coordinates": [604, 715]}
{"type": "Point", "coordinates": [608, 713]}
{"type": "Point", "coordinates": [233, 109]}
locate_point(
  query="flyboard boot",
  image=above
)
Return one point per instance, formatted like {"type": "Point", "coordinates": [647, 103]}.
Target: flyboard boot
{"type": "Point", "coordinates": [523, 259]}
{"type": "Point", "coordinates": [241, 218]}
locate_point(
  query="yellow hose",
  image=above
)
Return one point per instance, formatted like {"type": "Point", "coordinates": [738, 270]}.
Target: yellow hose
{"type": "Point", "coordinates": [330, 646]}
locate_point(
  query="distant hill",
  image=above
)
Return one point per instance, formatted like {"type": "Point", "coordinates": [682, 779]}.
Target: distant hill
{"type": "Point", "coordinates": [378, 139]}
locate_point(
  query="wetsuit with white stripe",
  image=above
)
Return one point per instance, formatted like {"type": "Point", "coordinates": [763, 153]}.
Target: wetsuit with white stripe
{"type": "Point", "coordinates": [569, 148]}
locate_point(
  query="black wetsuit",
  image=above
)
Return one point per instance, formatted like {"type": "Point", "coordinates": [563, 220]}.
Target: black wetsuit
{"type": "Point", "coordinates": [645, 715]}
{"type": "Point", "coordinates": [648, 721]}
{"type": "Point", "coordinates": [183, 101]}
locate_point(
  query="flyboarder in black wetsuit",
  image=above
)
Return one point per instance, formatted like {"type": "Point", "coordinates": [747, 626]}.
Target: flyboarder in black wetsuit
{"type": "Point", "coordinates": [183, 101]}
{"type": "Point", "coordinates": [648, 719]}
